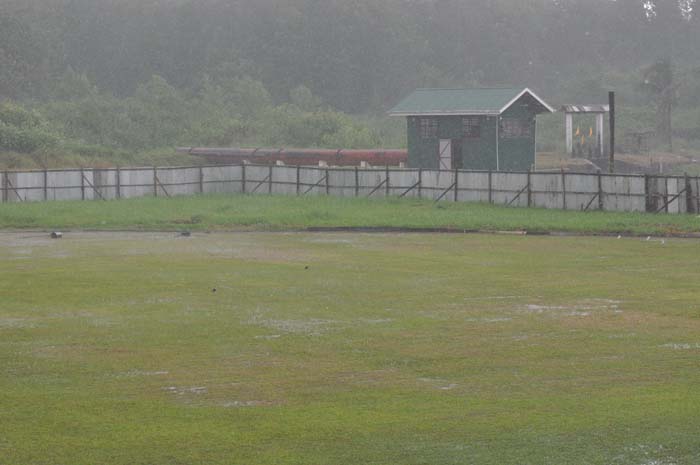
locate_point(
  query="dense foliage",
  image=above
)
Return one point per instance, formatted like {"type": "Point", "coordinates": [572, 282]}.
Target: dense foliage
{"type": "Point", "coordinates": [139, 74]}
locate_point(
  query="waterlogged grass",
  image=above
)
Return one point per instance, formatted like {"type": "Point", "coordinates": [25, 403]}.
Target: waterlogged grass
{"type": "Point", "coordinates": [347, 349]}
{"type": "Point", "coordinates": [284, 213]}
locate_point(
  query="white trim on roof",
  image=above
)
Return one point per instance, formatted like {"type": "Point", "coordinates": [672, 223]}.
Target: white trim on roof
{"type": "Point", "coordinates": [519, 96]}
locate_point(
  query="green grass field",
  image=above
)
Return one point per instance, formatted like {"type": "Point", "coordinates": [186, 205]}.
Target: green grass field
{"type": "Point", "coordinates": [280, 213]}
{"type": "Point", "coordinates": [346, 348]}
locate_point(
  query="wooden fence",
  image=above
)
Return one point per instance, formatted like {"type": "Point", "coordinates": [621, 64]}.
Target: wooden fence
{"type": "Point", "coordinates": [561, 190]}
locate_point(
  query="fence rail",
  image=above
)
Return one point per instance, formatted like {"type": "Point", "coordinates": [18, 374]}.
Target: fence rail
{"type": "Point", "coordinates": [561, 190]}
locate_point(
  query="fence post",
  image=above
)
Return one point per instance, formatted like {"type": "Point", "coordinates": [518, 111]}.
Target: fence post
{"type": "Point", "coordinates": [600, 191]}
{"type": "Point", "coordinates": [46, 185]}
{"type": "Point", "coordinates": [243, 177]}
{"type": "Point", "coordinates": [563, 187]}
{"type": "Point", "coordinates": [387, 181]}
{"type": "Point", "coordinates": [490, 187]}
{"type": "Point", "coordinates": [155, 182]}
{"type": "Point", "coordinates": [119, 183]}
{"type": "Point", "coordinates": [4, 187]}
{"type": "Point", "coordinates": [298, 179]}
{"type": "Point", "coordinates": [689, 207]}
{"type": "Point", "coordinates": [647, 194]}
{"type": "Point", "coordinates": [420, 183]}
{"type": "Point", "coordinates": [82, 184]}
{"type": "Point", "coordinates": [201, 180]}
{"type": "Point", "coordinates": [357, 182]}
{"type": "Point", "coordinates": [328, 188]}
{"type": "Point", "coordinates": [456, 185]}
{"type": "Point", "coordinates": [529, 187]}
{"type": "Point", "coordinates": [269, 185]}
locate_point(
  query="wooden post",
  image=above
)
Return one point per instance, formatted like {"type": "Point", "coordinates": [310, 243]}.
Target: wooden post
{"type": "Point", "coordinates": [119, 183]}
{"type": "Point", "coordinates": [563, 187]}
{"type": "Point", "coordinates": [298, 183]}
{"type": "Point", "coordinates": [328, 188]}
{"type": "Point", "coordinates": [4, 187]}
{"type": "Point", "coordinates": [387, 181]}
{"type": "Point", "coordinates": [46, 185]}
{"type": "Point", "coordinates": [357, 182]}
{"type": "Point", "coordinates": [490, 187]}
{"type": "Point", "coordinates": [269, 184]}
{"type": "Point", "coordinates": [456, 185]}
{"type": "Point", "coordinates": [201, 180]}
{"type": "Point", "coordinates": [529, 187]}
{"type": "Point", "coordinates": [243, 178]}
{"type": "Point", "coordinates": [420, 183]}
{"type": "Point", "coordinates": [82, 184]}
{"type": "Point", "coordinates": [600, 191]}
{"type": "Point", "coordinates": [155, 182]}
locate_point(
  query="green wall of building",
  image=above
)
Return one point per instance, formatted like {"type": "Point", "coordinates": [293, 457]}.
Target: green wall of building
{"type": "Point", "coordinates": [514, 154]}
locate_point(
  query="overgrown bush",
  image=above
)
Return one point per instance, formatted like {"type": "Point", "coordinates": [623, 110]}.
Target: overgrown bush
{"type": "Point", "coordinates": [24, 131]}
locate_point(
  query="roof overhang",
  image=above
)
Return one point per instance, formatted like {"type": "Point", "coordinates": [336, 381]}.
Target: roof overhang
{"type": "Point", "coordinates": [533, 95]}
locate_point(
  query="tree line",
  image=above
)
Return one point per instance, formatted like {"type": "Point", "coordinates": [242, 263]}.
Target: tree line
{"type": "Point", "coordinates": [73, 60]}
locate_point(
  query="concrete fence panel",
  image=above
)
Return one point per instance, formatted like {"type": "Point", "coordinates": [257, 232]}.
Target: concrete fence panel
{"type": "Point", "coordinates": [64, 185]}
{"type": "Point", "coordinates": [473, 186]}
{"type": "Point", "coordinates": [312, 181]}
{"type": "Point", "coordinates": [509, 188]}
{"type": "Point", "coordinates": [371, 183]}
{"type": "Point", "coordinates": [404, 183]}
{"type": "Point", "coordinates": [178, 181]}
{"type": "Point", "coordinates": [138, 182]}
{"type": "Point", "coordinates": [341, 182]}
{"type": "Point", "coordinates": [547, 190]}
{"type": "Point", "coordinates": [284, 180]}
{"type": "Point", "coordinates": [222, 179]}
{"type": "Point", "coordinates": [582, 192]}
{"type": "Point", "coordinates": [436, 184]}
{"type": "Point", "coordinates": [624, 193]}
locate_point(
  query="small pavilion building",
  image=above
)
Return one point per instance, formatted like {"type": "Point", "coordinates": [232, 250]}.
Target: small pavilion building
{"type": "Point", "coordinates": [476, 129]}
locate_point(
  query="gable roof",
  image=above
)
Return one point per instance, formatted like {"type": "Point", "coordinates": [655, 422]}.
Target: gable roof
{"type": "Point", "coordinates": [443, 102]}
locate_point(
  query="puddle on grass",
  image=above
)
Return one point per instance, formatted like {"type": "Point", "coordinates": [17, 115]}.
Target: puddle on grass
{"type": "Point", "coordinates": [439, 384]}
{"type": "Point", "coordinates": [247, 403]}
{"type": "Point", "coordinates": [681, 346]}
{"type": "Point", "coordinates": [17, 323]}
{"type": "Point", "coordinates": [488, 320]}
{"type": "Point", "coordinates": [309, 327]}
{"type": "Point", "coordinates": [643, 454]}
{"type": "Point", "coordinates": [583, 308]}
{"type": "Point", "coordinates": [180, 391]}
{"type": "Point", "coordinates": [141, 373]}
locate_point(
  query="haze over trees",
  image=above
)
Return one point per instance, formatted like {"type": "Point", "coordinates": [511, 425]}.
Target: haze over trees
{"type": "Point", "coordinates": [142, 74]}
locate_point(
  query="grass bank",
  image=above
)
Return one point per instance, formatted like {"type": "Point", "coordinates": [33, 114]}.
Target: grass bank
{"type": "Point", "coordinates": [276, 213]}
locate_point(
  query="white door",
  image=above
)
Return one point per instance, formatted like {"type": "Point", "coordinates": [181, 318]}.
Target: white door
{"type": "Point", "coordinates": [445, 154]}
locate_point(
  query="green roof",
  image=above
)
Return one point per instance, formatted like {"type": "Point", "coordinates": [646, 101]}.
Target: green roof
{"type": "Point", "coordinates": [462, 102]}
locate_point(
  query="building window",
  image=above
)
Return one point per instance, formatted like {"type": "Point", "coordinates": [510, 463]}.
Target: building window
{"type": "Point", "coordinates": [428, 128]}
{"type": "Point", "coordinates": [513, 128]}
{"type": "Point", "coordinates": [471, 127]}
